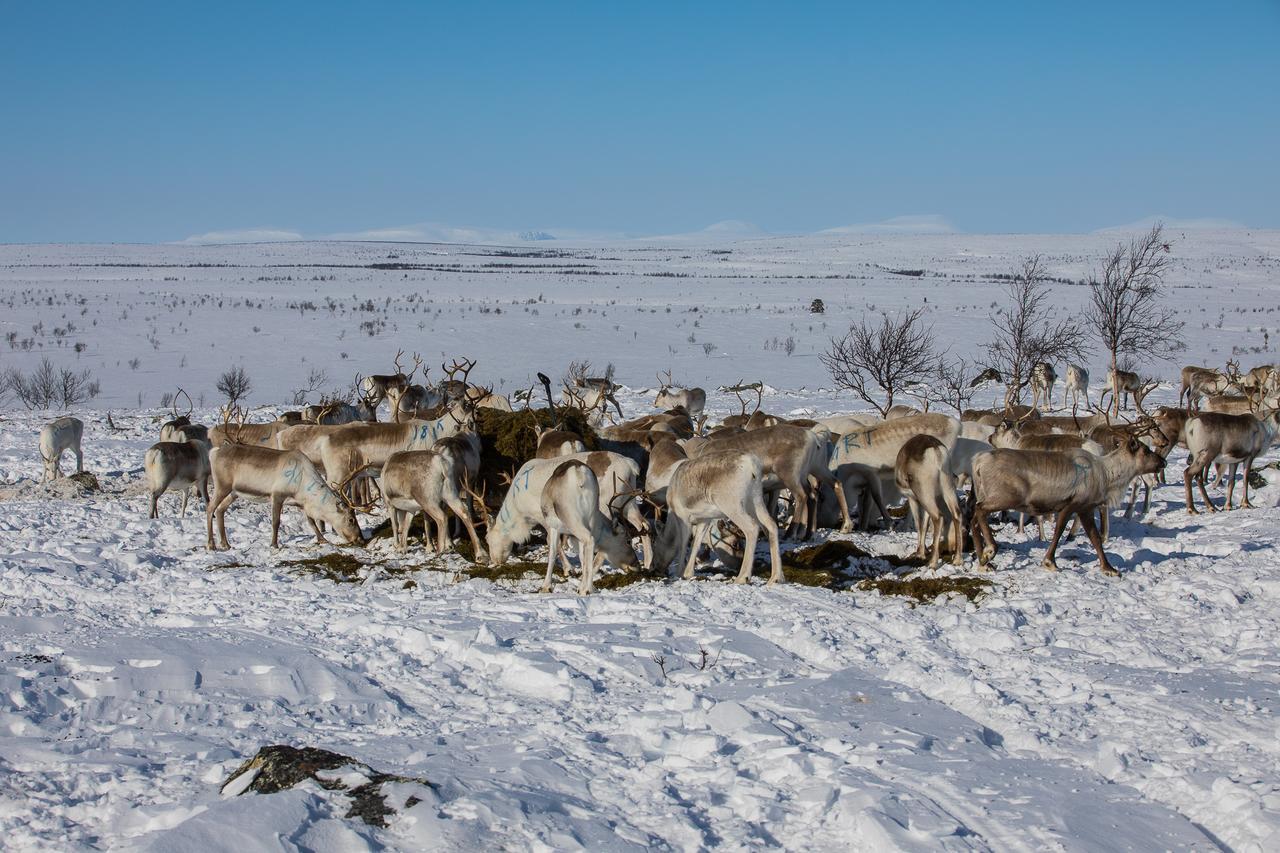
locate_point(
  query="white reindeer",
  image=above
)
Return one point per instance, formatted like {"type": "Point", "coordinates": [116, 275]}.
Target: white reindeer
{"type": "Point", "coordinates": [56, 438]}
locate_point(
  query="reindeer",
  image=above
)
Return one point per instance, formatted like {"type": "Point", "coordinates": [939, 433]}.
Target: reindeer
{"type": "Point", "coordinates": [901, 410]}
{"type": "Point", "coordinates": [59, 436]}
{"type": "Point", "coordinates": [1038, 482]}
{"type": "Point", "coordinates": [738, 390]}
{"type": "Point", "coordinates": [554, 442]}
{"type": "Point", "coordinates": [792, 457]}
{"type": "Point", "coordinates": [1077, 385]}
{"type": "Point", "coordinates": [521, 510]}
{"type": "Point", "coordinates": [922, 472]}
{"type": "Point", "coordinates": [338, 412]}
{"type": "Point", "coordinates": [570, 507]}
{"type": "Point", "coordinates": [719, 485]}
{"type": "Point", "coordinates": [180, 427]}
{"type": "Point", "coordinates": [344, 452]}
{"type": "Point", "coordinates": [1260, 380]}
{"type": "Point", "coordinates": [1212, 437]}
{"type": "Point", "coordinates": [1198, 382]}
{"type": "Point", "coordinates": [179, 466]}
{"type": "Point", "coordinates": [1042, 379]}
{"type": "Point", "coordinates": [671, 396]}
{"type": "Point", "coordinates": [1122, 384]}
{"type": "Point", "coordinates": [429, 481]}
{"type": "Point", "coordinates": [279, 476]}
{"type": "Point", "coordinates": [233, 430]}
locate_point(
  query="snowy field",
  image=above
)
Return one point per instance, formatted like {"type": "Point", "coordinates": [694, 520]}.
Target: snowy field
{"type": "Point", "coordinates": [1058, 711]}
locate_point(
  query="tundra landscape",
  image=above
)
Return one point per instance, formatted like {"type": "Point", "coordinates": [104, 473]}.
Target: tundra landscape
{"type": "Point", "coordinates": [876, 696]}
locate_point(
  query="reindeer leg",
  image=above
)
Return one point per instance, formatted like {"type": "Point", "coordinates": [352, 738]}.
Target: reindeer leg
{"type": "Point", "coordinates": [1049, 561]}
{"type": "Point", "coordinates": [1187, 476]}
{"type": "Point", "coordinates": [186, 493]}
{"type": "Point", "coordinates": [1203, 491]}
{"type": "Point", "coordinates": [984, 543]}
{"type": "Point", "coordinates": [277, 504]}
{"type": "Point", "coordinates": [441, 518]}
{"type": "Point", "coordinates": [587, 556]}
{"type": "Point", "coordinates": [936, 521]}
{"type": "Point", "coordinates": [699, 533]}
{"type": "Point", "coordinates": [1248, 468]}
{"type": "Point", "coordinates": [553, 543]}
{"type": "Point", "coordinates": [1086, 518]}
{"type": "Point", "coordinates": [223, 506]}
{"type": "Point", "coordinates": [463, 512]}
{"type": "Point", "coordinates": [154, 496]}
{"type": "Point", "coordinates": [917, 516]}
{"type": "Point", "coordinates": [846, 523]}
{"type": "Point", "coordinates": [750, 535]}
{"type": "Point", "coordinates": [320, 540]}
{"type": "Point", "coordinates": [1231, 484]}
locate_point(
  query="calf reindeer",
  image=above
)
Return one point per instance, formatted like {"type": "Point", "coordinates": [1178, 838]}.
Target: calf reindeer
{"type": "Point", "coordinates": [1076, 385]}
{"type": "Point", "coordinates": [570, 506]}
{"type": "Point", "coordinates": [433, 482]}
{"type": "Point", "coordinates": [277, 476]}
{"type": "Point", "coordinates": [1199, 382]}
{"type": "Point", "coordinates": [922, 472]}
{"type": "Point", "coordinates": [1042, 379]}
{"type": "Point", "coordinates": [179, 466]}
{"type": "Point", "coordinates": [725, 485]}
{"type": "Point", "coordinates": [1212, 437]}
{"type": "Point", "coordinates": [57, 437]}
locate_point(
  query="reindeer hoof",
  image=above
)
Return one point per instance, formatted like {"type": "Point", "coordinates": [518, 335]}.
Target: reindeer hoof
{"type": "Point", "coordinates": [741, 579]}
{"type": "Point", "coordinates": [846, 528]}
{"type": "Point", "coordinates": [1049, 565]}
{"type": "Point", "coordinates": [545, 588]}
{"type": "Point", "coordinates": [1110, 572]}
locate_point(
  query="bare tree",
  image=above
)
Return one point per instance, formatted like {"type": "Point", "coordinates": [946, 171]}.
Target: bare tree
{"type": "Point", "coordinates": [234, 384]}
{"type": "Point", "coordinates": [47, 386]}
{"type": "Point", "coordinates": [1128, 311]}
{"type": "Point", "coordinates": [892, 356]}
{"type": "Point", "coordinates": [1025, 332]}
{"type": "Point", "coordinates": [955, 385]}
{"type": "Point", "coordinates": [75, 388]}
{"type": "Point", "coordinates": [316, 377]}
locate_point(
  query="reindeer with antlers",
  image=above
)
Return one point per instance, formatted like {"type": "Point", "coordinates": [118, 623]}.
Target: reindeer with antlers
{"type": "Point", "coordinates": [672, 396]}
{"type": "Point", "coordinates": [376, 387]}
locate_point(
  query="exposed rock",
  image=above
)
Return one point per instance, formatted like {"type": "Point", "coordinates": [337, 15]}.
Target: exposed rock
{"type": "Point", "coordinates": [278, 768]}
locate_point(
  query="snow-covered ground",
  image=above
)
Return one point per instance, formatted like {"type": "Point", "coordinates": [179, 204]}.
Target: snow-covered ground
{"type": "Point", "coordinates": [1059, 711]}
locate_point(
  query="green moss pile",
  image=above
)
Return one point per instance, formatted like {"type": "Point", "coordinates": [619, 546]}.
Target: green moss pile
{"type": "Point", "coordinates": [508, 440]}
{"type": "Point", "coordinates": [924, 590]}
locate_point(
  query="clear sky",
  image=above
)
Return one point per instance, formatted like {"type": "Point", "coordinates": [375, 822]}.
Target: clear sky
{"type": "Point", "coordinates": [155, 121]}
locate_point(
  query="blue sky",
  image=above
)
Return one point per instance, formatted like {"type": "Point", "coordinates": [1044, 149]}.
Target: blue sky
{"type": "Point", "coordinates": [153, 122]}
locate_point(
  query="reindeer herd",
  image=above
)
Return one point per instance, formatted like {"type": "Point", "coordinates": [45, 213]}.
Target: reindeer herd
{"type": "Point", "coordinates": [671, 483]}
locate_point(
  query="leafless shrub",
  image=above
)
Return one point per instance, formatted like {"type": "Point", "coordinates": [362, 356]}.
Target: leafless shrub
{"type": "Point", "coordinates": [954, 386]}
{"type": "Point", "coordinates": [893, 356]}
{"type": "Point", "coordinates": [1127, 308]}
{"type": "Point", "coordinates": [47, 386]}
{"type": "Point", "coordinates": [1025, 332]}
{"type": "Point", "coordinates": [316, 377]}
{"type": "Point", "coordinates": [234, 384]}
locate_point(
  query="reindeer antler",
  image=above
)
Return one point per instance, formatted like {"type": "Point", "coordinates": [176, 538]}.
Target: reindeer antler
{"type": "Point", "coordinates": [190, 406]}
{"type": "Point", "coordinates": [341, 490]}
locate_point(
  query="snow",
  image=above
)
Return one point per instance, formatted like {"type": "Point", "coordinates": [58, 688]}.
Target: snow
{"type": "Point", "coordinates": [1060, 711]}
